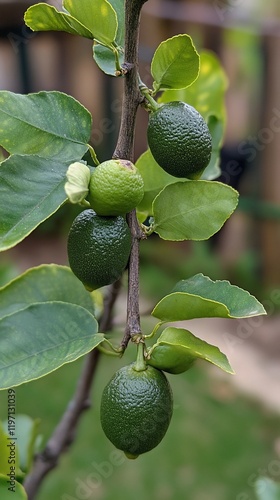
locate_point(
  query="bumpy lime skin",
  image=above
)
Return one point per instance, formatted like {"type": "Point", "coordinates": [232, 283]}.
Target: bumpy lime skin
{"type": "Point", "coordinates": [98, 248]}
{"type": "Point", "coordinates": [179, 139]}
{"type": "Point", "coordinates": [116, 187]}
{"type": "Point", "coordinates": [136, 409]}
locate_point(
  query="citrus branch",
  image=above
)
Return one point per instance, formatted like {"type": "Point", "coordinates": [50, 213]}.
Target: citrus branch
{"type": "Point", "coordinates": [125, 149]}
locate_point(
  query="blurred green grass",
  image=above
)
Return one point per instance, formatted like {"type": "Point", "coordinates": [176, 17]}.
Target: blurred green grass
{"type": "Point", "coordinates": [217, 439]}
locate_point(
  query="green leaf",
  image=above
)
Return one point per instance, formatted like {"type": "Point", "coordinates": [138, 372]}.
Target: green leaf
{"type": "Point", "coordinates": [98, 17]}
{"type": "Point", "coordinates": [176, 349]}
{"type": "Point", "coordinates": [42, 284]}
{"type": "Point", "coordinates": [155, 179]}
{"type": "Point", "coordinates": [94, 20]}
{"type": "Point", "coordinates": [17, 493]}
{"type": "Point", "coordinates": [26, 434]}
{"type": "Point", "coordinates": [216, 129]}
{"type": "Point", "coordinates": [42, 337]}
{"type": "Point", "coordinates": [207, 93]}
{"type": "Point", "coordinates": [200, 297]}
{"type": "Point", "coordinates": [175, 64]}
{"type": "Point", "coordinates": [192, 210]}
{"type": "Point", "coordinates": [31, 190]}
{"type": "Point", "coordinates": [119, 7]}
{"type": "Point", "coordinates": [50, 124]}
{"type": "Point", "coordinates": [105, 59]}
{"type": "Point", "coordinates": [267, 489]}
{"type": "Point", "coordinates": [4, 455]}
{"type": "Point", "coordinates": [104, 56]}
{"type": "Point", "coordinates": [42, 17]}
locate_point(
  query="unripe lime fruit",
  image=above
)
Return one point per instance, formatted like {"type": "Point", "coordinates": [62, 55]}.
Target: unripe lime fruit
{"type": "Point", "coordinates": [179, 139]}
{"type": "Point", "coordinates": [116, 187]}
{"type": "Point", "coordinates": [98, 248]}
{"type": "Point", "coordinates": [136, 409]}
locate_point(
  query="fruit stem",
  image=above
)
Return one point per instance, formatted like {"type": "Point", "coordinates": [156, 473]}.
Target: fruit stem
{"type": "Point", "coordinates": [140, 364]}
{"type": "Point", "coordinates": [157, 326]}
{"type": "Point", "coordinates": [146, 92]}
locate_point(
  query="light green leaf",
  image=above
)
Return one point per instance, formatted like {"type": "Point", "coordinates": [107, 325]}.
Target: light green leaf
{"type": "Point", "coordinates": [17, 493]}
{"type": "Point", "coordinates": [31, 190]}
{"type": "Point", "coordinates": [175, 64]}
{"type": "Point", "coordinates": [200, 297]}
{"type": "Point", "coordinates": [50, 124]}
{"type": "Point", "coordinates": [42, 17]}
{"type": "Point", "coordinates": [45, 283]}
{"type": "Point", "coordinates": [42, 337]}
{"type": "Point", "coordinates": [98, 17]}
{"type": "Point", "coordinates": [118, 6]}
{"type": "Point", "coordinates": [176, 349]}
{"type": "Point", "coordinates": [26, 434]}
{"type": "Point", "coordinates": [207, 94]}
{"type": "Point", "coordinates": [104, 56]}
{"type": "Point", "coordinates": [267, 489]}
{"type": "Point", "coordinates": [216, 129]}
{"type": "Point", "coordinates": [192, 210]}
{"type": "Point", "coordinates": [155, 179]}
{"type": "Point", "coordinates": [105, 59]}
{"type": "Point", "coordinates": [4, 455]}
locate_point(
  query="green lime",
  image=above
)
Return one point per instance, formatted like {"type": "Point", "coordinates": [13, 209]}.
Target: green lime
{"type": "Point", "coordinates": [98, 248]}
{"type": "Point", "coordinates": [136, 409]}
{"type": "Point", "coordinates": [179, 139]}
{"type": "Point", "coordinates": [116, 187]}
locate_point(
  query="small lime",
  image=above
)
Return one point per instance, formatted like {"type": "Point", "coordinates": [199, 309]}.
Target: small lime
{"type": "Point", "coordinates": [179, 139]}
{"type": "Point", "coordinates": [136, 409]}
{"type": "Point", "coordinates": [98, 248]}
{"type": "Point", "coordinates": [116, 187]}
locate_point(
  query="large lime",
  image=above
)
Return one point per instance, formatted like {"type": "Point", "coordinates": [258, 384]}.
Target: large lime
{"type": "Point", "coordinates": [98, 248]}
{"type": "Point", "coordinates": [136, 409]}
{"type": "Point", "coordinates": [179, 139]}
{"type": "Point", "coordinates": [116, 187]}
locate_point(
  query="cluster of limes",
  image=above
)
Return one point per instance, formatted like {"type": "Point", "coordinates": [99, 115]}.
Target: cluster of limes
{"type": "Point", "coordinates": [99, 240]}
{"type": "Point", "coordinates": [137, 404]}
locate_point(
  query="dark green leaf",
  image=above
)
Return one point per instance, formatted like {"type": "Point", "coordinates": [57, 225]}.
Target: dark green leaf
{"type": "Point", "coordinates": [200, 297]}
{"type": "Point", "coordinates": [50, 124]}
{"type": "Point", "coordinates": [175, 64]}
{"type": "Point", "coordinates": [46, 283]}
{"type": "Point", "coordinates": [31, 190]}
{"type": "Point", "coordinates": [192, 210]}
{"type": "Point", "coordinates": [42, 337]}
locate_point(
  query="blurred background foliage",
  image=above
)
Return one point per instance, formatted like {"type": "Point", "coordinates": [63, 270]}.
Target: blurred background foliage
{"type": "Point", "coordinates": [220, 440]}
